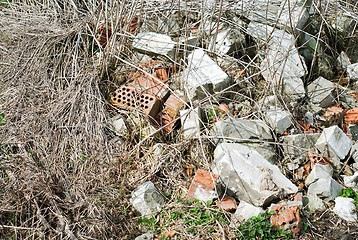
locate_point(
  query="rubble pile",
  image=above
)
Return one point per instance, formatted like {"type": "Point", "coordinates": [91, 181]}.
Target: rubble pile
{"type": "Point", "coordinates": [296, 131]}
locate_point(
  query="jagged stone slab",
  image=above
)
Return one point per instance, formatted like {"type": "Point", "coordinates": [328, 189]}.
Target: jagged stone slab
{"type": "Point", "coordinates": [191, 121]}
{"type": "Point", "coordinates": [278, 119]}
{"type": "Point", "coordinates": [203, 76]}
{"type": "Point", "coordinates": [227, 41]}
{"type": "Point", "coordinates": [249, 177]}
{"type": "Point", "coordinates": [235, 129]}
{"type": "Point", "coordinates": [352, 71]}
{"type": "Point", "coordinates": [319, 171]}
{"type": "Point", "coordinates": [283, 64]}
{"type": "Point", "coordinates": [147, 200]}
{"type": "Point", "coordinates": [297, 145]}
{"type": "Point", "coordinates": [322, 92]}
{"type": "Point", "coordinates": [154, 43]}
{"type": "Point", "coordinates": [325, 188]}
{"type": "Point", "coordinates": [334, 144]}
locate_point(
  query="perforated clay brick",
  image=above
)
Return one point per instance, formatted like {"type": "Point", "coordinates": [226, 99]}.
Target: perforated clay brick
{"type": "Point", "coordinates": [131, 98]}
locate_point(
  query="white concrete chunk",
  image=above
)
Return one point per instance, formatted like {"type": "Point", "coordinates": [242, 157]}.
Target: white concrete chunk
{"type": "Point", "coordinates": [334, 144]}
{"type": "Point", "coordinates": [154, 43]}
{"type": "Point", "coordinates": [345, 208]}
{"type": "Point", "coordinates": [319, 171]}
{"type": "Point", "coordinates": [203, 76]}
{"type": "Point", "coordinates": [352, 71]}
{"type": "Point", "coordinates": [250, 177]}
{"type": "Point", "coordinates": [325, 188]}
{"type": "Point", "coordinates": [227, 41]}
{"type": "Point", "coordinates": [146, 199]}
{"type": "Point", "coordinates": [315, 203]}
{"type": "Point", "coordinates": [343, 61]}
{"type": "Point", "coordinates": [298, 145]}
{"type": "Point", "coordinates": [191, 122]}
{"type": "Point", "coordinates": [282, 14]}
{"type": "Point", "coordinates": [119, 126]}
{"type": "Point", "coordinates": [266, 150]}
{"type": "Point", "coordinates": [235, 129]}
{"type": "Point", "coordinates": [283, 64]}
{"type": "Point", "coordinates": [351, 181]}
{"type": "Point", "coordinates": [246, 211]}
{"type": "Point", "coordinates": [278, 119]}
{"type": "Point", "coordinates": [322, 92]}
{"type": "Point", "coordinates": [145, 236]}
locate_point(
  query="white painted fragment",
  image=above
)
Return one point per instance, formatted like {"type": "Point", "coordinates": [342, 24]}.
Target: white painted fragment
{"type": "Point", "coordinates": [345, 209]}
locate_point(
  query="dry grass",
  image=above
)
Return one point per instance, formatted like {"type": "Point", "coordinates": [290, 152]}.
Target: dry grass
{"type": "Point", "coordinates": [61, 174]}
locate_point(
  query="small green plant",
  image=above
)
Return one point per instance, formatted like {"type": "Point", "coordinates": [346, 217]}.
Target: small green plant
{"type": "Point", "coordinates": [260, 227]}
{"type": "Point", "coordinates": [190, 216]}
{"type": "Point", "coordinates": [350, 193]}
{"type": "Point", "coordinates": [2, 119]}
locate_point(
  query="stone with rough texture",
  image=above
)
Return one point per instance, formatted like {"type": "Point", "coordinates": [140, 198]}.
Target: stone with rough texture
{"type": "Point", "coordinates": [283, 64]}
{"type": "Point", "coordinates": [291, 16]}
{"type": "Point", "coordinates": [319, 171]}
{"type": "Point", "coordinates": [278, 119]}
{"type": "Point", "coordinates": [325, 188]}
{"type": "Point", "coordinates": [351, 181]}
{"type": "Point", "coordinates": [298, 145]}
{"type": "Point", "coordinates": [334, 144]}
{"type": "Point", "coordinates": [315, 203]}
{"type": "Point", "coordinates": [203, 76]}
{"type": "Point", "coordinates": [235, 129]}
{"type": "Point", "coordinates": [353, 131]}
{"type": "Point", "coordinates": [343, 61]}
{"type": "Point", "coordinates": [191, 122]}
{"type": "Point", "coordinates": [119, 125]}
{"type": "Point", "coordinates": [154, 43]}
{"type": "Point", "coordinates": [322, 92]}
{"type": "Point", "coordinates": [147, 200]}
{"type": "Point", "coordinates": [246, 211]}
{"type": "Point", "coordinates": [352, 71]}
{"type": "Point", "coordinates": [249, 177]}
{"type": "Point", "coordinates": [227, 41]}
{"type": "Point", "coordinates": [265, 149]}
{"type": "Point", "coordinates": [345, 208]}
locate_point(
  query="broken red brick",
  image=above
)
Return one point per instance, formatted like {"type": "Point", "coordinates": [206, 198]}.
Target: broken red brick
{"type": "Point", "coordinates": [352, 116]}
{"type": "Point", "coordinates": [170, 112]}
{"type": "Point", "coordinates": [202, 186]}
{"type": "Point", "coordinates": [131, 98]}
{"type": "Point", "coordinates": [150, 84]}
{"type": "Point", "coordinates": [334, 115]}
{"type": "Point", "coordinates": [315, 158]}
{"type": "Point", "coordinates": [287, 215]}
{"type": "Point", "coordinates": [226, 203]}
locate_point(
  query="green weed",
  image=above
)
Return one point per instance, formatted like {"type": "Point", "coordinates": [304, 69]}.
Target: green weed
{"type": "Point", "coordinates": [260, 227]}
{"type": "Point", "coordinates": [350, 193]}
{"type": "Point", "coordinates": [2, 119]}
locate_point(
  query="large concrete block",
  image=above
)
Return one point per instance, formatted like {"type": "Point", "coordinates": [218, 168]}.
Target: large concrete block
{"type": "Point", "coordinates": [322, 92]}
{"type": "Point", "coordinates": [319, 171]}
{"type": "Point", "coordinates": [146, 199]}
{"type": "Point", "coordinates": [235, 129]}
{"type": "Point", "coordinates": [278, 119]}
{"type": "Point", "coordinates": [249, 177]}
{"type": "Point", "coordinates": [334, 144]}
{"type": "Point", "coordinates": [203, 76]}
{"type": "Point", "coordinates": [265, 149]}
{"type": "Point", "coordinates": [297, 145]}
{"type": "Point", "coordinates": [154, 43]}
{"type": "Point", "coordinates": [290, 15]}
{"type": "Point", "coordinates": [325, 188]}
{"type": "Point", "coordinates": [283, 64]}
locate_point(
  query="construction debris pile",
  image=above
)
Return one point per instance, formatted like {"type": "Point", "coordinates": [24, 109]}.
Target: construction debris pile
{"type": "Point", "coordinates": [279, 107]}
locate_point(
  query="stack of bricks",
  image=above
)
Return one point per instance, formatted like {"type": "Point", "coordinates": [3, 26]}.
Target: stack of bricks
{"type": "Point", "coordinates": [149, 92]}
